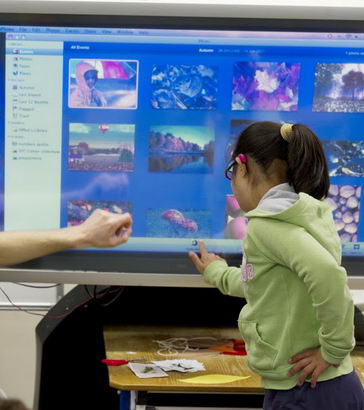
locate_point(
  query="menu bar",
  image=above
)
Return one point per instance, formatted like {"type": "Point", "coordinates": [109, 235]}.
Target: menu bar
{"type": "Point", "coordinates": [18, 33]}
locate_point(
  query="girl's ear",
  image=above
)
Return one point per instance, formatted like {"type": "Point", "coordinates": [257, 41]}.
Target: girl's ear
{"type": "Point", "coordinates": [241, 165]}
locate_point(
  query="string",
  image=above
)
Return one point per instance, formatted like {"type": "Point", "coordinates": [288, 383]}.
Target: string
{"type": "Point", "coordinates": [177, 345]}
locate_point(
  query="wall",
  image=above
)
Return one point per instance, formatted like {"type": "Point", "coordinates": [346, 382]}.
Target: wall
{"type": "Point", "coordinates": [17, 353]}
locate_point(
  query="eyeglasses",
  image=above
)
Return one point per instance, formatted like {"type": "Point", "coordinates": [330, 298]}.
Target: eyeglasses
{"type": "Point", "coordinates": [229, 171]}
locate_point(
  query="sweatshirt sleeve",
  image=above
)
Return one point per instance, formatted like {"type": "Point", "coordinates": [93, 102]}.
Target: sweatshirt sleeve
{"type": "Point", "coordinates": [325, 279]}
{"type": "Point", "coordinates": [226, 278]}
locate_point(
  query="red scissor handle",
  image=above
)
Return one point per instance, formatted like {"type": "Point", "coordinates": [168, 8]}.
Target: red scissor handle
{"type": "Point", "coordinates": [114, 362]}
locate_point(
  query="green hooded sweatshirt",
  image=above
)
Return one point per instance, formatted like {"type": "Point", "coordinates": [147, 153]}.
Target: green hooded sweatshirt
{"type": "Point", "coordinates": [296, 291]}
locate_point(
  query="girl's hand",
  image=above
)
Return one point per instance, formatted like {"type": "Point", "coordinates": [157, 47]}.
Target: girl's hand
{"type": "Point", "coordinates": [205, 259]}
{"type": "Point", "coordinates": [309, 363]}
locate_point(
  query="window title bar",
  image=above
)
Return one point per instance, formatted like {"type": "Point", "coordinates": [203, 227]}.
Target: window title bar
{"type": "Point", "coordinates": [18, 33]}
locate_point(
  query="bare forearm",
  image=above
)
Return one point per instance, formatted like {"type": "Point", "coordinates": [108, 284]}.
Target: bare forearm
{"type": "Point", "coordinates": [18, 247]}
{"type": "Point", "coordinates": [101, 230]}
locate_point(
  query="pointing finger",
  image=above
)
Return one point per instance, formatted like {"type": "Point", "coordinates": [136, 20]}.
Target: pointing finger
{"type": "Point", "coordinates": [203, 250]}
{"type": "Point", "coordinates": [196, 261]}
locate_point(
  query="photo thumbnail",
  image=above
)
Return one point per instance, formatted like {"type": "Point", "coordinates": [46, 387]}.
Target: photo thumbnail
{"type": "Point", "coordinates": [265, 86]}
{"type": "Point", "coordinates": [344, 201]}
{"type": "Point", "coordinates": [181, 149]}
{"type": "Point", "coordinates": [178, 223]}
{"type": "Point", "coordinates": [345, 158]}
{"type": "Point", "coordinates": [236, 128]}
{"type": "Point", "coordinates": [339, 87]}
{"type": "Point", "coordinates": [236, 223]}
{"type": "Point", "coordinates": [184, 87]}
{"type": "Point", "coordinates": [101, 147]}
{"type": "Point", "coordinates": [79, 211]}
{"type": "Point", "coordinates": [103, 84]}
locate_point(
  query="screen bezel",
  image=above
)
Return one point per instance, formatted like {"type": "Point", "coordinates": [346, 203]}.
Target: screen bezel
{"type": "Point", "coordinates": [165, 263]}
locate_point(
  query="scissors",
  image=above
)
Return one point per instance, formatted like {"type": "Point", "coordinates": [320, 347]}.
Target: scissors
{"type": "Point", "coordinates": [120, 362]}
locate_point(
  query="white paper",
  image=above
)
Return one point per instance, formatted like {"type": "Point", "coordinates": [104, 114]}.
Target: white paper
{"type": "Point", "coordinates": [180, 365]}
{"type": "Point", "coordinates": [146, 371]}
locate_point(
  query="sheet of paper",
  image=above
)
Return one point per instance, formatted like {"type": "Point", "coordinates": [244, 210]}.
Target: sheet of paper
{"type": "Point", "coordinates": [214, 379]}
{"type": "Point", "coordinates": [180, 365]}
{"type": "Point", "coordinates": [146, 371]}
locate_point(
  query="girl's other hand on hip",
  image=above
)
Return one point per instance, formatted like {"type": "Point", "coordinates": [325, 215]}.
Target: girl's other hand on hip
{"type": "Point", "coordinates": [309, 363]}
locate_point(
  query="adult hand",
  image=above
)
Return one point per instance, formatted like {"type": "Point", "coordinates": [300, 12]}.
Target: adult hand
{"type": "Point", "coordinates": [310, 363]}
{"type": "Point", "coordinates": [104, 230]}
{"type": "Point", "coordinates": [201, 262]}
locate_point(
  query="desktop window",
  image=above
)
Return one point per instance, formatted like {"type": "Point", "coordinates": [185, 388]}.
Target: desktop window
{"type": "Point", "coordinates": [144, 121]}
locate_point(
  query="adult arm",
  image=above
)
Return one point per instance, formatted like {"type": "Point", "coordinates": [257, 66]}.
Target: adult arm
{"type": "Point", "coordinates": [101, 230]}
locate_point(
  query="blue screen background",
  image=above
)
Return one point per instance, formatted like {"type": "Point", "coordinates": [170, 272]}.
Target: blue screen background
{"type": "Point", "coordinates": [148, 194]}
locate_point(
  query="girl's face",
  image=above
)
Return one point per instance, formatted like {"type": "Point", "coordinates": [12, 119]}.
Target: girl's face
{"type": "Point", "coordinates": [249, 183]}
{"type": "Point", "coordinates": [241, 185]}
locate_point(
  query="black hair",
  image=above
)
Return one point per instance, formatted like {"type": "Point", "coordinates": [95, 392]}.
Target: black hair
{"type": "Point", "coordinates": [304, 155]}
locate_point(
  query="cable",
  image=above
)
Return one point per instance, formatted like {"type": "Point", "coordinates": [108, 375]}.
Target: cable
{"type": "Point", "coordinates": [19, 307]}
{"type": "Point", "coordinates": [88, 291]}
{"type": "Point", "coordinates": [96, 295]}
{"type": "Point", "coordinates": [64, 315]}
{"type": "Point", "coordinates": [35, 286]}
{"type": "Point", "coordinates": [115, 298]}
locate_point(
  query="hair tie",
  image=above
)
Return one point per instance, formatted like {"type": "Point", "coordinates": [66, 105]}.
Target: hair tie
{"type": "Point", "coordinates": [286, 131]}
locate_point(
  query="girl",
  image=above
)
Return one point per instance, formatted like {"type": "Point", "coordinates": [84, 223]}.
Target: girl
{"type": "Point", "coordinates": [298, 320]}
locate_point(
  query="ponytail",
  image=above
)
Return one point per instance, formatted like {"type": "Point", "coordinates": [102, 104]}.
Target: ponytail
{"type": "Point", "coordinates": [297, 145]}
{"type": "Point", "coordinates": [307, 167]}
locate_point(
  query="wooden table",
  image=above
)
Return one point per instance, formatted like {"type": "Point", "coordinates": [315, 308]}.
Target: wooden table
{"type": "Point", "coordinates": [136, 342]}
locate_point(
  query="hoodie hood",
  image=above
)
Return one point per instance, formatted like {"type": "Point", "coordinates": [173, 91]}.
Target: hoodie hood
{"type": "Point", "coordinates": [278, 198]}
{"type": "Point", "coordinates": [281, 203]}
{"type": "Point", "coordinates": [81, 69]}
